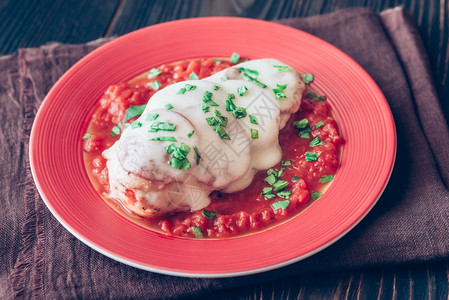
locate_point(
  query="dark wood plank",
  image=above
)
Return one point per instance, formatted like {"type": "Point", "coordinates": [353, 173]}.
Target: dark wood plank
{"type": "Point", "coordinates": [33, 23]}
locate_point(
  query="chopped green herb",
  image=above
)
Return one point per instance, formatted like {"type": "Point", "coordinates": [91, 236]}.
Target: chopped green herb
{"type": "Point", "coordinates": [207, 98]}
{"type": "Point", "coordinates": [217, 113]}
{"type": "Point", "coordinates": [116, 130]}
{"type": "Point", "coordinates": [269, 196]}
{"type": "Point", "coordinates": [205, 107]}
{"type": "Point", "coordinates": [316, 142]}
{"type": "Point", "coordinates": [168, 106]}
{"type": "Point", "coordinates": [230, 106]}
{"type": "Point", "coordinates": [209, 214]}
{"type": "Point", "coordinates": [272, 171]}
{"type": "Point", "coordinates": [163, 126]}
{"type": "Point", "coordinates": [223, 78]}
{"type": "Point", "coordinates": [304, 135]}
{"type": "Point", "coordinates": [153, 73]}
{"type": "Point", "coordinates": [319, 124]}
{"type": "Point", "coordinates": [249, 71]}
{"type": "Point", "coordinates": [242, 90]}
{"type": "Point", "coordinates": [198, 157]}
{"type": "Point", "coordinates": [283, 204]}
{"type": "Point", "coordinates": [279, 91]}
{"type": "Point", "coordinates": [165, 138]}
{"type": "Point", "coordinates": [252, 119]}
{"type": "Point", "coordinates": [310, 156]}
{"type": "Point", "coordinates": [179, 156]}
{"type": "Point", "coordinates": [286, 194]}
{"type": "Point", "coordinates": [267, 190]}
{"type": "Point", "coordinates": [190, 87]}
{"type": "Point", "coordinates": [280, 172]}
{"type": "Point", "coordinates": [193, 76]}
{"type": "Point", "coordinates": [212, 121]}
{"type": "Point", "coordinates": [316, 195]}
{"type": "Point", "coordinates": [239, 112]}
{"type": "Point", "coordinates": [301, 124]}
{"type": "Point", "coordinates": [152, 117]}
{"type": "Point", "coordinates": [223, 121]}
{"type": "Point", "coordinates": [234, 58]}
{"type": "Point", "coordinates": [282, 68]}
{"type": "Point", "coordinates": [250, 78]}
{"type": "Point", "coordinates": [315, 97]}
{"type": "Point", "coordinates": [197, 232]}
{"type": "Point", "coordinates": [216, 87]}
{"type": "Point", "coordinates": [222, 133]}
{"type": "Point", "coordinates": [134, 111]}
{"type": "Point", "coordinates": [86, 136]}
{"type": "Point", "coordinates": [271, 179]}
{"type": "Point", "coordinates": [282, 86]}
{"type": "Point", "coordinates": [136, 124]}
{"type": "Point", "coordinates": [295, 178]}
{"type": "Point", "coordinates": [231, 96]}
{"type": "Point", "coordinates": [286, 163]}
{"type": "Point", "coordinates": [308, 78]}
{"type": "Point", "coordinates": [190, 133]}
{"type": "Point", "coordinates": [155, 85]}
{"type": "Point", "coordinates": [181, 91]}
{"type": "Point", "coordinates": [326, 178]}
{"type": "Point", "coordinates": [254, 134]}
{"type": "Point", "coordinates": [280, 185]}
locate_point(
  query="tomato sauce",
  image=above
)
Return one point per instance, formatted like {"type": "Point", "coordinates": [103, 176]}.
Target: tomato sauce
{"type": "Point", "coordinates": [228, 215]}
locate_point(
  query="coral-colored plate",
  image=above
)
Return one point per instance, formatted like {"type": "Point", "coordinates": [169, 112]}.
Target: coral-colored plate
{"type": "Point", "coordinates": [363, 114]}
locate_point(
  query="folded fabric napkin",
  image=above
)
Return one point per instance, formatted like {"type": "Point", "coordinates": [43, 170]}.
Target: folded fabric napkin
{"type": "Point", "coordinates": [410, 223]}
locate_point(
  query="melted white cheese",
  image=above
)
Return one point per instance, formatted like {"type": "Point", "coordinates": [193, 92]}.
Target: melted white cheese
{"type": "Point", "coordinates": [139, 164]}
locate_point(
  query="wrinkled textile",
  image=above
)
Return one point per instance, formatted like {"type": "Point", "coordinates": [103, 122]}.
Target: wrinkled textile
{"type": "Point", "coordinates": [40, 259]}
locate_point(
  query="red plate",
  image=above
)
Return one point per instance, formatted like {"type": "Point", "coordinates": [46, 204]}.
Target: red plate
{"type": "Point", "coordinates": [360, 108]}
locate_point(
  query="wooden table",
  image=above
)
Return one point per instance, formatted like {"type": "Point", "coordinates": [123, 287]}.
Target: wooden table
{"type": "Point", "coordinates": [33, 23]}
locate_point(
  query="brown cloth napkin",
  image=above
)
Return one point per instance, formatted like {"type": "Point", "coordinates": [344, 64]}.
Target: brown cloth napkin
{"type": "Point", "coordinates": [40, 259]}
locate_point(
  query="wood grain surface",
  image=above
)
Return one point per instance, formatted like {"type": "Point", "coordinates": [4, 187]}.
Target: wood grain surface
{"type": "Point", "coordinates": [33, 23]}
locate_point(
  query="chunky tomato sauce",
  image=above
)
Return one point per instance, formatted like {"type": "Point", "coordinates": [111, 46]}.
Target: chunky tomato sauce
{"type": "Point", "coordinates": [307, 168]}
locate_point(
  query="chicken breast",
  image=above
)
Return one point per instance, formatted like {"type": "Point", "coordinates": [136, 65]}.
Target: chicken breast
{"type": "Point", "coordinates": [198, 136]}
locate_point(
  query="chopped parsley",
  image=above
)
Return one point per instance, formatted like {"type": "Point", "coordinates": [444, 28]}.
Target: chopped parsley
{"type": "Point", "coordinates": [283, 204]}
{"type": "Point", "coordinates": [153, 73]}
{"type": "Point", "coordinates": [134, 111]}
{"type": "Point", "coordinates": [308, 78]}
{"type": "Point", "coordinates": [155, 85]}
{"type": "Point", "coordinates": [326, 178]}
{"type": "Point", "coordinates": [209, 214]}
{"type": "Point", "coordinates": [234, 58]}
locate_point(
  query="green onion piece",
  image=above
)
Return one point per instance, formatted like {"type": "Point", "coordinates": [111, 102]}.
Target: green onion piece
{"type": "Point", "coordinates": [267, 190]}
{"type": "Point", "coordinates": [193, 76]}
{"type": "Point", "coordinates": [216, 87]}
{"type": "Point", "coordinates": [271, 179]}
{"type": "Point", "coordinates": [252, 119]}
{"type": "Point", "coordinates": [189, 135]}
{"type": "Point", "coordinates": [217, 113]}
{"type": "Point", "coordinates": [310, 156]}
{"type": "Point", "coordinates": [316, 142]}
{"type": "Point", "coordinates": [282, 68]}
{"type": "Point", "coordinates": [286, 194]}
{"type": "Point", "coordinates": [239, 112]}
{"type": "Point", "coordinates": [304, 135]}
{"type": "Point", "coordinates": [279, 91]}
{"type": "Point", "coordinates": [250, 78]}
{"type": "Point", "coordinates": [207, 98]}
{"type": "Point", "coordinates": [181, 91]}
{"type": "Point", "coordinates": [223, 78]}
{"type": "Point", "coordinates": [281, 204]}
{"type": "Point", "coordinates": [197, 232]}
{"type": "Point", "coordinates": [280, 172]}
{"type": "Point", "coordinates": [163, 126]}
{"type": "Point", "coordinates": [326, 178]}
{"type": "Point", "coordinates": [168, 106]}
{"type": "Point", "coordinates": [153, 73]}
{"type": "Point", "coordinates": [165, 139]}
{"type": "Point", "coordinates": [134, 111]}
{"type": "Point", "coordinates": [295, 178]}
{"type": "Point", "coordinates": [315, 97]}
{"type": "Point", "coordinates": [190, 87]}
{"type": "Point", "coordinates": [319, 124]}
{"type": "Point", "coordinates": [242, 90]}
{"type": "Point", "coordinates": [179, 156]}
{"type": "Point", "coordinates": [308, 78]}
{"type": "Point", "coordinates": [282, 86]}
{"type": "Point", "coordinates": [230, 106]}
{"type": "Point", "coordinates": [116, 130]}
{"type": "Point", "coordinates": [205, 107]}
{"type": "Point", "coordinates": [280, 185]}
{"type": "Point", "coordinates": [234, 58]}
{"type": "Point", "coordinates": [198, 156]}
{"type": "Point", "coordinates": [316, 195]}
{"type": "Point", "coordinates": [286, 163]}
{"type": "Point", "coordinates": [86, 136]}
{"type": "Point", "coordinates": [269, 196]}
{"type": "Point", "coordinates": [152, 117]}
{"type": "Point", "coordinates": [231, 96]}
{"type": "Point", "coordinates": [272, 171]}
{"type": "Point", "coordinates": [223, 121]}
{"type": "Point", "coordinates": [254, 134]}
{"type": "Point", "coordinates": [209, 214]}
{"type": "Point", "coordinates": [249, 71]}
{"type": "Point", "coordinates": [136, 124]}
{"type": "Point", "coordinates": [301, 124]}
{"type": "Point", "coordinates": [212, 121]}
{"type": "Point", "coordinates": [222, 133]}
{"type": "Point", "coordinates": [155, 85]}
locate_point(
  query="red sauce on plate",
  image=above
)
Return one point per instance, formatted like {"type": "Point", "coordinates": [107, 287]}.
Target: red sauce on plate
{"type": "Point", "coordinates": [236, 213]}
